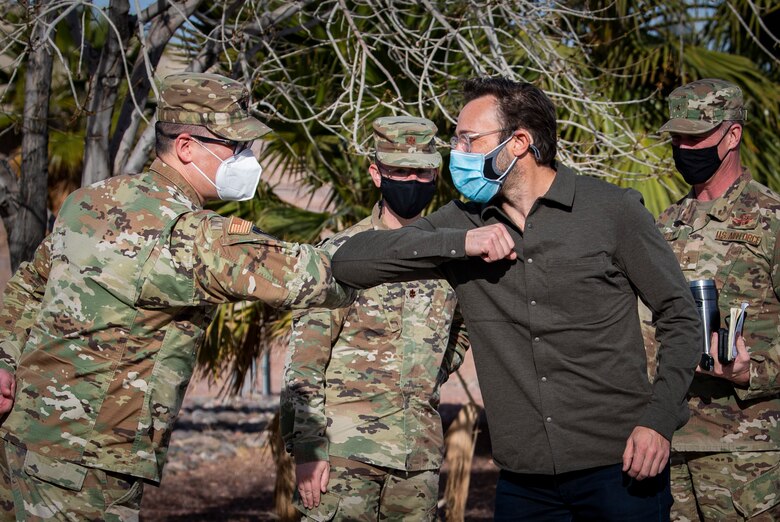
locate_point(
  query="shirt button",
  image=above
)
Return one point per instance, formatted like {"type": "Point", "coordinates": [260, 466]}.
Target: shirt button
{"type": "Point", "coordinates": [530, 225]}
{"type": "Point", "coordinates": [530, 260]}
{"type": "Point", "coordinates": [548, 419]}
{"type": "Point", "coordinates": [544, 379]}
{"type": "Point", "coordinates": [536, 339]}
{"type": "Point", "coordinates": [533, 303]}
{"type": "Point", "coordinates": [453, 252]}
{"type": "Point", "coordinates": [414, 253]}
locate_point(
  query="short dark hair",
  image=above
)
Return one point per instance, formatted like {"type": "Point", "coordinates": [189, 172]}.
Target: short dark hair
{"type": "Point", "coordinates": [166, 132]}
{"type": "Point", "coordinates": [520, 105]}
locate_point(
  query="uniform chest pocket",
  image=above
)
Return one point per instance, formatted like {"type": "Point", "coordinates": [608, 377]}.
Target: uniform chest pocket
{"type": "Point", "coordinates": [578, 287]}
{"type": "Point", "coordinates": [377, 311]}
{"type": "Point", "coordinates": [743, 276]}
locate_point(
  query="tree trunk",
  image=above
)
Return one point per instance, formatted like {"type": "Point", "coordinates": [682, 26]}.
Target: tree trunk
{"type": "Point", "coordinates": [104, 89]}
{"type": "Point", "coordinates": [163, 27]}
{"type": "Point", "coordinates": [30, 223]}
{"type": "Point", "coordinates": [137, 159]}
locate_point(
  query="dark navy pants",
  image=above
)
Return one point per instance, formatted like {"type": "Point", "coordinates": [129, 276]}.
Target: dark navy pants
{"type": "Point", "coordinates": [603, 494]}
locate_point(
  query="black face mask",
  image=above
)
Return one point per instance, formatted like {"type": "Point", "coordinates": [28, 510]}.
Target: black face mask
{"type": "Point", "coordinates": [407, 198]}
{"type": "Point", "coordinates": [698, 165]}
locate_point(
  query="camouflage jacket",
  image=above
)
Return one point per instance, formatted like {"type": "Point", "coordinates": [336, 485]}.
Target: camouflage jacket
{"type": "Point", "coordinates": [101, 328]}
{"type": "Point", "coordinates": [734, 240]}
{"type": "Point", "coordinates": [362, 382]}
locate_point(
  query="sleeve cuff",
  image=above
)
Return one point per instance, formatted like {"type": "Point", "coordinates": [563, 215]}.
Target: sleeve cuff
{"type": "Point", "coordinates": [8, 367]}
{"type": "Point", "coordinates": [448, 243]}
{"type": "Point", "coordinates": [762, 383]}
{"type": "Point", "coordinates": [310, 451]}
{"type": "Point", "coordinates": [663, 421]}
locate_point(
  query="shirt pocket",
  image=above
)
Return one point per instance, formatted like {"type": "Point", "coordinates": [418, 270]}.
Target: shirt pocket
{"type": "Point", "coordinates": [577, 288]}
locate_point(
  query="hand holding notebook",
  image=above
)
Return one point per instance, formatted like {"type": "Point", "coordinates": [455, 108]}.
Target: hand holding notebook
{"type": "Point", "coordinates": [727, 338]}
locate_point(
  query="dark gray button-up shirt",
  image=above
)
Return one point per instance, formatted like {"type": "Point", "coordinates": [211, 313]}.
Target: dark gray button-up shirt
{"type": "Point", "coordinates": [555, 334]}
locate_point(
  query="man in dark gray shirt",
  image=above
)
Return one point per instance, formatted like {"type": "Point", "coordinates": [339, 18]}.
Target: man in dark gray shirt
{"type": "Point", "coordinates": [548, 267]}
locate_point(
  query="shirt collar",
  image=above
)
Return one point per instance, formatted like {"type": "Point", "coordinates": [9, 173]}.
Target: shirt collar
{"type": "Point", "coordinates": [562, 189]}
{"type": "Point", "coordinates": [172, 175]}
{"type": "Point", "coordinates": [721, 208]}
{"type": "Point", "coordinates": [561, 192]}
{"type": "Point", "coordinates": [376, 217]}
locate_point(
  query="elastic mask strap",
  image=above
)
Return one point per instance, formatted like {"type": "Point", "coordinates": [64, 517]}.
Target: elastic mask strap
{"type": "Point", "coordinates": [493, 155]}
{"type": "Point", "coordinates": [204, 175]}
{"type": "Point", "coordinates": [198, 168]}
{"type": "Point", "coordinates": [208, 150]}
{"type": "Point", "coordinates": [507, 171]}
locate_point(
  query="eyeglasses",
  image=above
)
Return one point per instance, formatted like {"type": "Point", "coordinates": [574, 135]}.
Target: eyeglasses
{"type": "Point", "coordinates": [469, 138]}
{"type": "Point", "coordinates": [237, 146]}
{"type": "Point", "coordinates": [400, 173]}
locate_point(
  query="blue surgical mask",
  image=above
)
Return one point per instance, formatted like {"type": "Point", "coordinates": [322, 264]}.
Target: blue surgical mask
{"type": "Point", "coordinates": [476, 175]}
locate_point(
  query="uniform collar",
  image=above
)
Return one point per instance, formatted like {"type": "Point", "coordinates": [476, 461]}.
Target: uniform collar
{"type": "Point", "coordinates": [163, 169]}
{"type": "Point", "coordinates": [721, 208]}
{"type": "Point", "coordinates": [376, 217]}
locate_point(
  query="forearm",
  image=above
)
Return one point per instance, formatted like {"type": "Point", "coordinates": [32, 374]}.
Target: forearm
{"type": "Point", "coordinates": [653, 270]}
{"type": "Point", "coordinates": [764, 373]}
{"type": "Point", "coordinates": [231, 267]}
{"type": "Point", "coordinates": [303, 424]}
{"type": "Point", "coordinates": [303, 419]}
{"type": "Point", "coordinates": [762, 336]}
{"type": "Point", "coordinates": [458, 344]}
{"type": "Point", "coordinates": [677, 334]}
{"type": "Point", "coordinates": [376, 257]}
{"type": "Point", "coordinates": [21, 304]}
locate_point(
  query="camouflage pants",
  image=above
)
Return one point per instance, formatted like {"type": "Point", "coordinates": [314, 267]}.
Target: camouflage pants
{"type": "Point", "coordinates": [359, 491]}
{"type": "Point", "coordinates": [33, 487]}
{"type": "Point", "coordinates": [726, 486]}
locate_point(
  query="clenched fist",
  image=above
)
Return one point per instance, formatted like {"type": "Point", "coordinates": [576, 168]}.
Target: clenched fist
{"type": "Point", "coordinates": [491, 243]}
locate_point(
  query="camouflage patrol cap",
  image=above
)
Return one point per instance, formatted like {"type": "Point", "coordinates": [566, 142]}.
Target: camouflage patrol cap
{"type": "Point", "coordinates": [214, 101]}
{"type": "Point", "coordinates": [406, 141]}
{"type": "Point", "coordinates": [700, 106]}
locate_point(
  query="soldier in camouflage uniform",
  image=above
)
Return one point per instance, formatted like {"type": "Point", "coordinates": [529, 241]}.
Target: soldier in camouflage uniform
{"type": "Point", "coordinates": [100, 330]}
{"type": "Point", "coordinates": [359, 404]}
{"type": "Point", "coordinates": [726, 459]}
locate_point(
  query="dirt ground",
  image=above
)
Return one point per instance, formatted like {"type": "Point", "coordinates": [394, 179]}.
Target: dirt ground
{"type": "Point", "coordinates": [240, 488]}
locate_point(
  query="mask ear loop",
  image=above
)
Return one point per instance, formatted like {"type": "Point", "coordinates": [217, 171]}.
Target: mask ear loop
{"type": "Point", "coordinates": [724, 137]}
{"type": "Point", "coordinates": [533, 149]}
{"type": "Point", "coordinates": [198, 168]}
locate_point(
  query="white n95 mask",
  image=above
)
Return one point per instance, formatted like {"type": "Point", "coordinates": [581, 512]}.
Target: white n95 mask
{"type": "Point", "coordinates": [237, 177]}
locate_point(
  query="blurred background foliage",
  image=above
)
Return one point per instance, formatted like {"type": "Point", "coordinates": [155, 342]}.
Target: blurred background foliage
{"type": "Point", "coordinates": [321, 71]}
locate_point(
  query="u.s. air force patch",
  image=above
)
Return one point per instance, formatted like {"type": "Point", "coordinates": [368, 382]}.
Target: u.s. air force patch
{"type": "Point", "coordinates": [740, 237]}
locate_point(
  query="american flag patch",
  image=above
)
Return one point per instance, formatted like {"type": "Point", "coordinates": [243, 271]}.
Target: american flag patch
{"type": "Point", "coordinates": [239, 226]}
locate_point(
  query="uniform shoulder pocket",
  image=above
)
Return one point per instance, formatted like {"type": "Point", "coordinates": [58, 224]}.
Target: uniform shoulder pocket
{"type": "Point", "coordinates": [60, 473]}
